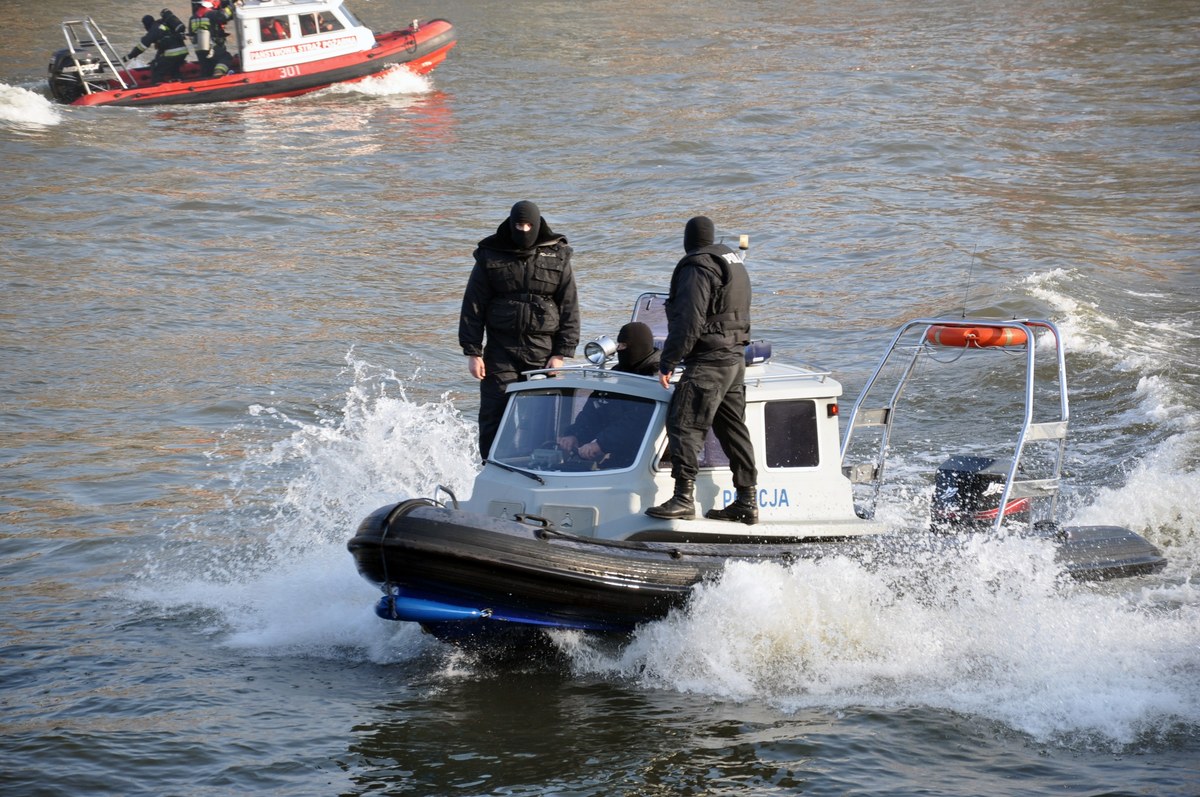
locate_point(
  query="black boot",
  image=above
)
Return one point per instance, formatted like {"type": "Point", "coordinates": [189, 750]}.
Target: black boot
{"type": "Point", "coordinates": [744, 508]}
{"type": "Point", "coordinates": [681, 506]}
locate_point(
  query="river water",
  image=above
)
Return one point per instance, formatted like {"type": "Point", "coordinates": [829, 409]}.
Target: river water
{"type": "Point", "coordinates": [228, 333]}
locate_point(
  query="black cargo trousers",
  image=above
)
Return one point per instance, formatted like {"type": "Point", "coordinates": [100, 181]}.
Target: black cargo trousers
{"type": "Point", "coordinates": [503, 367]}
{"type": "Point", "coordinates": [711, 396]}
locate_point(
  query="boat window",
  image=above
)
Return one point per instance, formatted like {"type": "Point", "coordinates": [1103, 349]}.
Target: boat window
{"type": "Point", "coordinates": [711, 455]}
{"type": "Point", "coordinates": [791, 434]}
{"type": "Point", "coordinates": [651, 310]}
{"type": "Point", "coordinates": [571, 429]}
{"type": "Point", "coordinates": [312, 24]}
{"type": "Point", "coordinates": [274, 28]}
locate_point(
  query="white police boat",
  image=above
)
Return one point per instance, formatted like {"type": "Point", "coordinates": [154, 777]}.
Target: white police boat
{"type": "Point", "coordinates": [547, 540]}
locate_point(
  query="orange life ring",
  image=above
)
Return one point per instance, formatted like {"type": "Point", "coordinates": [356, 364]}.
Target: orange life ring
{"type": "Point", "coordinates": [981, 337]}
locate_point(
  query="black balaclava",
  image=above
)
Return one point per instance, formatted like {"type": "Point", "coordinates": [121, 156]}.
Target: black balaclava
{"type": "Point", "coordinates": [698, 232]}
{"type": "Point", "coordinates": [147, 22]}
{"type": "Point", "coordinates": [525, 211]}
{"type": "Point", "coordinates": [639, 345]}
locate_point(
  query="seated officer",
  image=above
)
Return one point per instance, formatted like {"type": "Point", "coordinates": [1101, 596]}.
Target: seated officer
{"type": "Point", "coordinates": [610, 428]}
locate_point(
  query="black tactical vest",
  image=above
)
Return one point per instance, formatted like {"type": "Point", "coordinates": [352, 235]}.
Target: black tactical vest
{"type": "Point", "coordinates": [727, 320]}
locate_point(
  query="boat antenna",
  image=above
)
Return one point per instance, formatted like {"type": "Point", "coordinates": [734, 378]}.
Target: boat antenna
{"type": "Point", "coordinates": [743, 244]}
{"type": "Point", "coordinates": [970, 268]}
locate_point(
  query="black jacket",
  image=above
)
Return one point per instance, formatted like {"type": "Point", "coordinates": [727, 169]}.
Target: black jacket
{"type": "Point", "coordinates": [166, 36]}
{"type": "Point", "coordinates": [524, 299]}
{"type": "Point", "coordinates": [708, 309]}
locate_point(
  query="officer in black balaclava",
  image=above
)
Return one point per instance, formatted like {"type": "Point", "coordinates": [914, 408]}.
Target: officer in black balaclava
{"type": "Point", "coordinates": [525, 223]}
{"type": "Point", "coordinates": [520, 311]}
{"type": "Point", "coordinates": [698, 232]}
{"type": "Point", "coordinates": [708, 327]}
{"type": "Point", "coordinates": [609, 429]}
{"type": "Point", "coordinates": [635, 350]}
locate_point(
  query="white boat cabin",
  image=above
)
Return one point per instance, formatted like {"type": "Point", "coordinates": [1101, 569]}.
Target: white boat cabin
{"type": "Point", "coordinates": [792, 412]}
{"type": "Point", "coordinates": [276, 34]}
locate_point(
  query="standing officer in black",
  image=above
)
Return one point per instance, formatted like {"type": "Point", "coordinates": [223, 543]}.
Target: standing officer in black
{"type": "Point", "coordinates": [522, 294]}
{"type": "Point", "coordinates": [708, 327]}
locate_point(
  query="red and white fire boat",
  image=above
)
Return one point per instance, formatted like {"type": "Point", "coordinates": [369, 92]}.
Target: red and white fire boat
{"type": "Point", "coordinates": [309, 45]}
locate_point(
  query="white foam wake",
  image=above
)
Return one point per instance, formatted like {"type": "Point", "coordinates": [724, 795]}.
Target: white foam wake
{"type": "Point", "coordinates": [270, 567]}
{"type": "Point", "coordinates": [994, 634]}
{"type": "Point", "coordinates": [393, 80]}
{"type": "Point", "coordinates": [22, 107]}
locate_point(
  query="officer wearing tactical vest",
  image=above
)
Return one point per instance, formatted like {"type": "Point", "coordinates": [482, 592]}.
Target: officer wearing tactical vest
{"type": "Point", "coordinates": [708, 327]}
{"type": "Point", "coordinates": [521, 293]}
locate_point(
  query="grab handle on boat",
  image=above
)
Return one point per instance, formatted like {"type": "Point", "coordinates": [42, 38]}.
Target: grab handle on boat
{"type": "Point", "coordinates": [533, 520]}
{"type": "Point", "coordinates": [444, 489]}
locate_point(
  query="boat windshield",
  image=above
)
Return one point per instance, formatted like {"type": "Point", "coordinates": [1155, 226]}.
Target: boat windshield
{"type": "Point", "coordinates": [572, 429]}
{"type": "Point", "coordinates": [349, 15]}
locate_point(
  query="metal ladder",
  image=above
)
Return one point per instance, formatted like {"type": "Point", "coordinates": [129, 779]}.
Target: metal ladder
{"type": "Point", "coordinates": [1054, 432]}
{"type": "Point", "coordinates": [85, 35]}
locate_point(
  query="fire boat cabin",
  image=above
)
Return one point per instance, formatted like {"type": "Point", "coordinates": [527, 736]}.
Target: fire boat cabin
{"type": "Point", "coordinates": [278, 34]}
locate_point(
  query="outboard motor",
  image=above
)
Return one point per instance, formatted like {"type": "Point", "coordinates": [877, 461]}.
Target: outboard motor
{"type": "Point", "coordinates": [69, 72]}
{"type": "Point", "coordinates": [966, 495]}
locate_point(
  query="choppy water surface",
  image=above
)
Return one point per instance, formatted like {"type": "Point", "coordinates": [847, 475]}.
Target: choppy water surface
{"type": "Point", "coordinates": [228, 333]}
